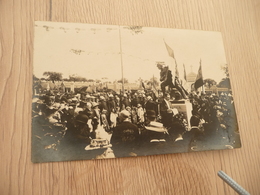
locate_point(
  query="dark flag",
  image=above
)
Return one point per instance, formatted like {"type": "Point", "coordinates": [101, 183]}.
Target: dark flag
{"type": "Point", "coordinates": [185, 76]}
{"type": "Point", "coordinates": [143, 84]}
{"type": "Point", "coordinates": [180, 88]}
{"type": "Point", "coordinates": [199, 79]}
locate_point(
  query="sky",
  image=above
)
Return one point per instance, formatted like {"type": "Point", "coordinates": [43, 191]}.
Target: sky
{"type": "Point", "coordinates": [108, 51]}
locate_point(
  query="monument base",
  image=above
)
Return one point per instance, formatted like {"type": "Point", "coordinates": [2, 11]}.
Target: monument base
{"type": "Point", "coordinates": [184, 107]}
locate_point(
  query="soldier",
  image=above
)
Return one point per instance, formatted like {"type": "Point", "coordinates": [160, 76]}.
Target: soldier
{"type": "Point", "coordinates": [165, 77]}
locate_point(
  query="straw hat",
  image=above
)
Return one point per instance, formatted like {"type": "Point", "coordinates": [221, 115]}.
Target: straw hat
{"type": "Point", "coordinates": [94, 104]}
{"type": "Point", "coordinates": [124, 114]}
{"type": "Point", "coordinates": [155, 126]}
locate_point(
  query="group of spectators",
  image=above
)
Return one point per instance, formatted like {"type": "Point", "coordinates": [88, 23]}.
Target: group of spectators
{"type": "Point", "coordinates": [139, 123]}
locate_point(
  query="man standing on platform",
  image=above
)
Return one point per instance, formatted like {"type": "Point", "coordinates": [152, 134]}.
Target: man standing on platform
{"type": "Point", "coordinates": [165, 77]}
{"type": "Point", "coordinates": [166, 80]}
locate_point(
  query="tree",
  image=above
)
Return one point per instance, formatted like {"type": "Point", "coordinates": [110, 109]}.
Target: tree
{"type": "Point", "coordinates": [225, 83]}
{"type": "Point", "coordinates": [135, 29]}
{"type": "Point", "coordinates": [35, 78]}
{"type": "Point", "coordinates": [53, 76]}
{"type": "Point", "coordinates": [153, 81]}
{"type": "Point", "coordinates": [225, 69]}
{"type": "Point", "coordinates": [209, 82]}
{"type": "Point", "coordinates": [75, 78]}
{"type": "Point", "coordinates": [90, 80]}
{"type": "Point", "coordinates": [125, 81]}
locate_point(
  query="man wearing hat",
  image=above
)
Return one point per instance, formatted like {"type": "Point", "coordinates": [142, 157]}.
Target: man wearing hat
{"type": "Point", "coordinates": [165, 110]}
{"type": "Point", "coordinates": [102, 103]}
{"type": "Point", "coordinates": [82, 131]}
{"type": "Point", "coordinates": [140, 114]}
{"type": "Point", "coordinates": [153, 136]}
{"type": "Point", "coordinates": [196, 128]}
{"type": "Point", "coordinates": [135, 100]}
{"type": "Point", "coordinates": [125, 102]}
{"type": "Point", "coordinates": [165, 76]}
{"type": "Point", "coordinates": [95, 115]}
{"type": "Point", "coordinates": [151, 105]}
{"type": "Point", "coordinates": [125, 137]}
{"type": "Point", "coordinates": [204, 107]}
{"type": "Point", "coordinates": [111, 107]}
{"type": "Point", "coordinates": [88, 98]}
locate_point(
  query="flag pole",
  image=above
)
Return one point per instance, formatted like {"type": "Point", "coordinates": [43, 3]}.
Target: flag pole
{"type": "Point", "coordinates": [153, 79]}
{"type": "Point", "coordinates": [122, 67]}
{"type": "Point", "coordinates": [203, 89]}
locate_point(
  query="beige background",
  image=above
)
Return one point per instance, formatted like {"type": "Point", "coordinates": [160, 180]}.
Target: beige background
{"type": "Point", "coordinates": [190, 173]}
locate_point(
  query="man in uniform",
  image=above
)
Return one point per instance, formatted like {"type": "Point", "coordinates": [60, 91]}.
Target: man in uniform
{"type": "Point", "coordinates": [165, 77]}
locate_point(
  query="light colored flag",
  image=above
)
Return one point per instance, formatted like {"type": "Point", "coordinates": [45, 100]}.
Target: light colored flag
{"type": "Point", "coordinates": [176, 71]}
{"type": "Point", "coordinates": [154, 89]}
{"type": "Point", "coordinates": [170, 51]}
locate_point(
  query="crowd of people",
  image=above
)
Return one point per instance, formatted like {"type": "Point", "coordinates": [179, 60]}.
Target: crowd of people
{"type": "Point", "coordinates": [139, 122]}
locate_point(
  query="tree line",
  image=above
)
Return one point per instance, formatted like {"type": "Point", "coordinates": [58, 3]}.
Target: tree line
{"type": "Point", "coordinates": [56, 76]}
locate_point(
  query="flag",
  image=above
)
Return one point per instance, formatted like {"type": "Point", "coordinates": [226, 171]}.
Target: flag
{"type": "Point", "coordinates": [176, 71]}
{"type": "Point", "coordinates": [170, 51]}
{"type": "Point", "coordinates": [155, 91]}
{"type": "Point", "coordinates": [143, 84]}
{"type": "Point", "coordinates": [185, 76]}
{"type": "Point", "coordinates": [180, 88]}
{"type": "Point", "coordinates": [199, 79]}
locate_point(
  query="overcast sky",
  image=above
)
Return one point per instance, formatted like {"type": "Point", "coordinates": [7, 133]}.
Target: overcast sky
{"type": "Point", "coordinates": [93, 51]}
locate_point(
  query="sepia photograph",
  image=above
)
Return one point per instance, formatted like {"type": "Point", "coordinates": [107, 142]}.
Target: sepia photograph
{"type": "Point", "coordinates": [108, 91]}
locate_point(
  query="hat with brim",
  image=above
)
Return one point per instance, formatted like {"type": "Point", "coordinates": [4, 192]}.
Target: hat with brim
{"type": "Point", "coordinates": [124, 114]}
{"type": "Point", "coordinates": [155, 126]}
{"type": "Point", "coordinates": [94, 104]}
{"type": "Point", "coordinates": [151, 113]}
{"type": "Point", "coordinates": [82, 118]}
{"type": "Point", "coordinates": [83, 102]}
{"type": "Point", "coordinates": [72, 104]}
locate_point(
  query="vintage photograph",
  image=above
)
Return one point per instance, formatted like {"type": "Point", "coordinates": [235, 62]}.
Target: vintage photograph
{"type": "Point", "coordinates": [107, 91]}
